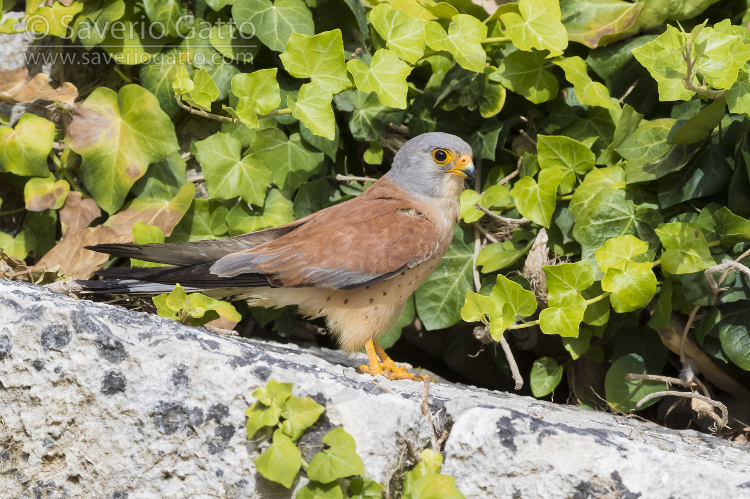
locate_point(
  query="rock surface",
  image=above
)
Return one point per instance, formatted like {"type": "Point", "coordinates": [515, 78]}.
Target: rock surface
{"type": "Point", "coordinates": [98, 401]}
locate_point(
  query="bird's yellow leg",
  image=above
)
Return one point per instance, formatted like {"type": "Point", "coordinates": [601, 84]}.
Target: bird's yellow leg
{"type": "Point", "coordinates": [385, 365]}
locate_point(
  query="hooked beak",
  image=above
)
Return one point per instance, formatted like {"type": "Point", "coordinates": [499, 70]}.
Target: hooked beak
{"type": "Point", "coordinates": [463, 167]}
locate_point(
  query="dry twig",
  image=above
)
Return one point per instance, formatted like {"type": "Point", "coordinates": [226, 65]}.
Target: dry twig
{"type": "Point", "coordinates": [720, 422]}
{"type": "Point", "coordinates": [428, 415]}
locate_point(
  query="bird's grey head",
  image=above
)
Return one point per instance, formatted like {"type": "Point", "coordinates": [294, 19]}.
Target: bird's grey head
{"type": "Point", "coordinates": [432, 164]}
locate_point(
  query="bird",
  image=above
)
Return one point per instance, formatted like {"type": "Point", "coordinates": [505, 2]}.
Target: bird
{"type": "Point", "coordinates": [354, 263]}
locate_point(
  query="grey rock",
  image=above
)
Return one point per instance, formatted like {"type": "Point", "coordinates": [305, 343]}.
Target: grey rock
{"type": "Point", "coordinates": [133, 405]}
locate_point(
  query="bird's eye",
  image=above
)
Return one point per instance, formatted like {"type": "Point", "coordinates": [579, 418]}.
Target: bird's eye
{"type": "Point", "coordinates": [441, 156]}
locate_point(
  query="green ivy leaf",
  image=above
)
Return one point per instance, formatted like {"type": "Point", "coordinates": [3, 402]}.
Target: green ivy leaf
{"type": "Point", "coordinates": [315, 490]}
{"type": "Point", "coordinates": [300, 414]}
{"type": "Point", "coordinates": [734, 333]}
{"type": "Point", "coordinates": [386, 76]}
{"type": "Point", "coordinates": [616, 252]}
{"type": "Point", "coordinates": [313, 109]}
{"type": "Point", "coordinates": [18, 246]}
{"type": "Point", "coordinates": [577, 347]}
{"type": "Point", "coordinates": [732, 229]}
{"type": "Point", "coordinates": [686, 248]}
{"type": "Point", "coordinates": [545, 376]}
{"type": "Point", "coordinates": [257, 92]}
{"type": "Point", "coordinates": [634, 284]}
{"type": "Point", "coordinates": [181, 84]}
{"type": "Point", "coordinates": [54, 20]}
{"type": "Point", "coordinates": [537, 25]}
{"type": "Point", "coordinates": [434, 487]}
{"type": "Point", "coordinates": [537, 202]}
{"type": "Point", "coordinates": [118, 135]}
{"type": "Point", "coordinates": [204, 91]}
{"type": "Point", "coordinates": [260, 415]}
{"type": "Point", "coordinates": [277, 210]}
{"type": "Point", "coordinates": [624, 395]}
{"type": "Point", "coordinates": [495, 195]}
{"type": "Point", "coordinates": [319, 57]}
{"type": "Point", "coordinates": [24, 149]}
{"type": "Point", "coordinates": [497, 256]}
{"type": "Point", "coordinates": [701, 126]}
{"type": "Point", "coordinates": [463, 40]}
{"type": "Point", "coordinates": [588, 92]}
{"type": "Point", "coordinates": [293, 161]}
{"type": "Point", "coordinates": [738, 96]}
{"type": "Point", "coordinates": [524, 73]}
{"type": "Point", "coordinates": [229, 175]}
{"type": "Point", "coordinates": [145, 234]}
{"type": "Point", "coordinates": [403, 34]}
{"type": "Point", "coordinates": [281, 462]}
{"type": "Point", "coordinates": [366, 488]}
{"type": "Point", "coordinates": [440, 296]}
{"type": "Point", "coordinates": [273, 23]}
{"type": "Point", "coordinates": [568, 154]}
{"type": "Point", "coordinates": [567, 278]}
{"type": "Point", "coordinates": [663, 58]}
{"type": "Point", "coordinates": [228, 40]}
{"type": "Point", "coordinates": [274, 393]}
{"type": "Point", "coordinates": [338, 461]}
{"type": "Point", "coordinates": [593, 183]}
{"type": "Point", "coordinates": [522, 301]}
{"type": "Point", "coordinates": [205, 219]}
{"type": "Point", "coordinates": [660, 319]}
{"type": "Point", "coordinates": [166, 14]}
{"type": "Point", "coordinates": [374, 154]}
{"type": "Point", "coordinates": [564, 315]}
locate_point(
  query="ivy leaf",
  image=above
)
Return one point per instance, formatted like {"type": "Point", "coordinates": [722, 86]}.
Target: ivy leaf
{"type": "Point", "coordinates": [440, 296]}
{"type": "Point", "coordinates": [374, 154]}
{"type": "Point", "coordinates": [568, 154]}
{"type": "Point", "coordinates": [661, 316]}
{"type": "Point", "coordinates": [587, 91]}
{"type": "Point", "coordinates": [738, 96]}
{"type": "Point", "coordinates": [662, 57]}
{"type": "Point", "coordinates": [313, 109]}
{"type": "Point", "coordinates": [166, 14]}
{"type": "Point", "coordinates": [435, 486]}
{"type": "Point", "coordinates": [281, 462]}
{"type": "Point", "coordinates": [45, 193]}
{"type": "Point", "coordinates": [315, 490]}
{"type": "Point", "coordinates": [594, 182]}
{"type": "Point", "coordinates": [545, 375]}
{"type": "Point", "coordinates": [118, 135]}
{"type": "Point", "coordinates": [54, 20]}
{"type": "Point", "coordinates": [205, 219]}
{"type": "Point", "coordinates": [145, 234]}
{"type": "Point", "coordinates": [686, 248]}
{"type": "Point", "coordinates": [497, 256]}
{"type": "Point", "coordinates": [182, 83]}
{"type": "Point", "coordinates": [369, 119]}
{"type": "Point", "coordinates": [338, 461]}
{"type": "Point", "coordinates": [229, 175]}
{"type": "Point", "coordinates": [19, 246]}
{"type": "Point", "coordinates": [589, 21]}
{"type": "Point", "coordinates": [274, 393]}
{"type": "Point", "coordinates": [258, 93]}
{"type": "Point", "coordinates": [260, 415]}
{"type": "Point", "coordinates": [701, 126]}
{"type": "Point", "coordinates": [24, 149]}
{"type": "Point", "coordinates": [634, 284]}
{"type": "Point", "coordinates": [463, 40]}
{"type": "Point", "coordinates": [204, 91]}
{"type": "Point", "coordinates": [616, 252]}
{"type": "Point", "coordinates": [273, 23]}
{"type": "Point", "coordinates": [564, 315]}
{"type": "Point", "coordinates": [524, 73]}
{"type": "Point", "coordinates": [386, 76]}
{"type": "Point", "coordinates": [567, 278]}
{"type": "Point", "coordinates": [537, 25]}
{"type": "Point", "coordinates": [366, 488]}
{"type": "Point", "coordinates": [495, 195]}
{"type": "Point", "coordinates": [732, 229]}
{"type": "Point", "coordinates": [312, 196]}
{"type": "Point", "coordinates": [299, 414]}
{"type": "Point", "coordinates": [720, 54]}
{"type": "Point", "coordinates": [319, 57]}
{"type": "Point", "coordinates": [163, 212]}
{"type": "Point", "coordinates": [404, 34]}
{"type": "Point", "coordinates": [734, 333]}
{"type": "Point", "coordinates": [293, 161]}
{"type": "Point", "coordinates": [577, 347]}
{"type": "Point", "coordinates": [522, 301]}
{"type": "Point", "coordinates": [624, 395]}
{"type": "Point", "coordinates": [537, 202]}
{"type": "Point", "coordinates": [227, 39]}
{"type": "Point", "coordinates": [277, 210]}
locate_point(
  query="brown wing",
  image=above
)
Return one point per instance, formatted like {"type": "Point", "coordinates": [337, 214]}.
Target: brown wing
{"type": "Point", "coordinates": [347, 246]}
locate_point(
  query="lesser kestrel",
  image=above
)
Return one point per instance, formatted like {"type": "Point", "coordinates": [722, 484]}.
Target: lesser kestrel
{"type": "Point", "coordinates": [354, 263]}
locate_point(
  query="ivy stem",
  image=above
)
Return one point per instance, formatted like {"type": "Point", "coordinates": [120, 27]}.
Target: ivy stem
{"type": "Point", "coordinates": [226, 119]}
{"type": "Point", "coordinates": [597, 298]}
{"type": "Point", "coordinates": [565, 198]}
{"type": "Point", "coordinates": [497, 39]}
{"type": "Point", "coordinates": [525, 324]}
{"type": "Point", "coordinates": [12, 212]}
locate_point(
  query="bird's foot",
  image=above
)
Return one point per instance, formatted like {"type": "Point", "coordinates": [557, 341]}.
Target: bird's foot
{"type": "Point", "coordinates": [381, 364]}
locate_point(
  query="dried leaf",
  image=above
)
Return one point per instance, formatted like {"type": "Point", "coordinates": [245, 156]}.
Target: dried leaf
{"type": "Point", "coordinates": [76, 261]}
{"type": "Point", "coordinates": [78, 213]}
{"type": "Point", "coordinates": [16, 87]}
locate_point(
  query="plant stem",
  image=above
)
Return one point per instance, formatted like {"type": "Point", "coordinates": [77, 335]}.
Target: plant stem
{"type": "Point", "coordinates": [524, 325]}
{"type": "Point", "coordinates": [12, 212]}
{"type": "Point", "coordinates": [597, 298]}
{"type": "Point", "coordinates": [497, 39]}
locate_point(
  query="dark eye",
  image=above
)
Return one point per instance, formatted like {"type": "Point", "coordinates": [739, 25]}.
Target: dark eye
{"type": "Point", "coordinates": [441, 156]}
